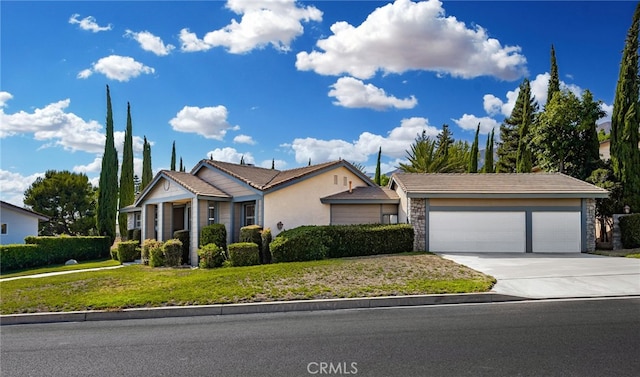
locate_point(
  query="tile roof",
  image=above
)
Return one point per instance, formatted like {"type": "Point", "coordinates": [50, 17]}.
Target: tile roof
{"type": "Point", "coordinates": [371, 194]}
{"type": "Point", "coordinates": [514, 185]}
{"type": "Point", "coordinates": [195, 184]}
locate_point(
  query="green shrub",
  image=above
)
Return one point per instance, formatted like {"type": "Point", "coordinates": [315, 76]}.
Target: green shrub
{"type": "Point", "coordinates": [128, 251]}
{"type": "Point", "coordinates": [62, 248]}
{"type": "Point", "coordinates": [172, 253]}
{"type": "Point", "coordinates": [630, 231]}
{"type": "Point", "coordinates": [266, 240]}
{"type": "Point", "coordinates": [244, 254]}
{"type": "Point", "coordinates": [211, 256]}
{"type": "Point", "coordinates": [298, 244]}
{"type": "Point", "coordinates": [150, 246]}
{"type": "Point", "coordinates": [183, 236]}
{"type": "Point", "coordinates": [20, 256]}
{"type": "Point", "coordinates": [214, 233]}
{"type": "Point", "coordinates": [134, 235]}
{"type": "Point", "coordinates": [253, 233]}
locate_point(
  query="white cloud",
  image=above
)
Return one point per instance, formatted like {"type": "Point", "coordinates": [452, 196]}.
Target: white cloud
{"type": "Point", "coordinates": [274, 22]}
{"type": "Point", "coordinates": [394, 144]}
{"type": "Point", "coordinates": [608, 109]}
{"type": "Point", "coordinates": [412, 36]}
{"type": "Point", "coordinates": [470, 122]}
{"type": "Point", "coordinates": [88, 23]}
{"type": "Point", "coordinates": [229, 154]}
{"type": "Point", "coordinates": [4, 97]}
{"type": "Point", "coordinates": [92, 167]}
{"type": "Point", "coordinates": [116, 67]}
{"type": "Point", "coordinates": [210, 122]}
{"type": "Point", "coordinates": [244, 139]}
{"type": "Point", "coordinates": [353, 93]}
{"type": "Point", "coordinates": [150, 42]}
{"type": "Point", "coordinates": [13, 186]}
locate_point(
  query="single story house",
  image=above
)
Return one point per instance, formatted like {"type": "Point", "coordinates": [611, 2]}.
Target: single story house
{"type": "Point", "coordinates": [18, 223]}
{"type": "Point", "coordinates": [534, 212]}
{"type": "Point", "coordinates": [239, 195]}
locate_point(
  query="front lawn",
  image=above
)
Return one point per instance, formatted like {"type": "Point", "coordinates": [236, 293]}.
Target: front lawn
{"type": "Point", "coordinates": [629, 253]}
{"type": "Point", "coordinates": [56, 268]}
{"type": "Point", "coordinates": [141, 286]}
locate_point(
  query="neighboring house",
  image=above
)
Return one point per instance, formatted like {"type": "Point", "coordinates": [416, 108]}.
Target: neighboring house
{"type": "Point", "coordinates": [239, 195]}
{"type": "Point", "coordinates": [535, 212]}
{"type": "Point", "coordinates": [18, 223]}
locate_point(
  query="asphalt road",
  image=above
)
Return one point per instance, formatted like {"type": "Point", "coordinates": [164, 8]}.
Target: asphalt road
{"type": "Point", "coordinates": [544, 338]}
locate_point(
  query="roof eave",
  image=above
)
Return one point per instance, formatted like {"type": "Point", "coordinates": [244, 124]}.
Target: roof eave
{"type": "Point", "coordinates": [359, 201]}
{"type": "Point", "coordinates": [467, 195]}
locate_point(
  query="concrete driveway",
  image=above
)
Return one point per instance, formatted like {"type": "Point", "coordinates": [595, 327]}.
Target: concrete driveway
{"type": "Point", "coordinates": [555, 275]}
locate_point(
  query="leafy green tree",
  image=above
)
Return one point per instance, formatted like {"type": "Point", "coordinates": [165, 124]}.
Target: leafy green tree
{"type": "Point", "coordinates": [68, 199]}
{"type": "Point", "coordinates": [377, 177]}
{"type": "Point", "coordinates": [473, 158]}
{"type": "Point", "coordinates": [510, 129]}
{"type": "Point", "coordinates": [127, 189]}
{"type": "Point", "coordinates": [625, 119]}
{"type": "Point", "coordinates": [605, 208]}
{"type": "Point", "coordinates": [488, 154]}
{"type": "Point", "coordinates": [554, 78]}
{"type": "Point", "coordinates": [384, 180]}
{"type": "Point", "coordinates": [108, 189]}
{"type": "Point", "coordinates": [424, 157]}
{"type": "Point", "coordinates": [147, 174]}
{"type": "Point", "coordinates": [173, 157]}
{"type": "Point", "coordinates": [589, 159]}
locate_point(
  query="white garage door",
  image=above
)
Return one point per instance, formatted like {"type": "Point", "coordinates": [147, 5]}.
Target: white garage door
{"type": "Point", "coordinates": [477, 231]}
{"type": "Point", "coordinates": [556, 232]}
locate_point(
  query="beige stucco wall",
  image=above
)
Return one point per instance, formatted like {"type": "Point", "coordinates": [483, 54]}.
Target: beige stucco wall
{"type": "Point", "coordinates": [164, 188]}
{"type": "Point", "coordinates": [299, 204]}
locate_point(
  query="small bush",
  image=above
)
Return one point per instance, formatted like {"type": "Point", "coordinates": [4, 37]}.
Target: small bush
{"type": "Point", "coordinates": [211, 256]}
{"type": "Point", "coordinates": [134, 235]}
{"type": "Point", "coordinates": [298, 244]}
{"type": "Point", "coordinates": [630, 231]}
{"type": "Point", "coordinates": [183, 236]}
{"type": "Point", "coordinates": [252, 233]}
{"type": "Point", "coordinates": [172, 253]}
{"type": "Point", "coordinates": [147, 246]}
{"type": "Point", "coordinates": [214, 233]}
{"type": "Point", "coordinates": [20, 256]}
{"type": "Point", "coordinates": [266, 240]}
{"type": "Point", "coordinates": [128, 251]}
{"type": "Point", "coordinates": [244, 254]}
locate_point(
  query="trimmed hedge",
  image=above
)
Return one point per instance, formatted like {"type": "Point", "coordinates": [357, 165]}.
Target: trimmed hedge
{"type": "Point", "coordinates": [128, 251]}
{"type": "Point", "coordinates": [211, 256]}
{"type": "Point", "coordinates": [253, 233]}
{"type": "Point", "coordinates": [150, 246]}
{"type": "Point", "coordinates": [183, 236]}
{"type": "Point", "coordinates": [244, 254]}
{"type": "Point", "coordinates": [266, 240]}
{"type": "Point", "coordinates": [339, 241]}
{"type": "Point", "coordinates": [172, 253]}
{"type": "Point", "coordinates": [214, 233]}
{"type": "Point", "coordinates": [134, 235]}
{"type": "Point", "coordinates": [62, 248]}
{"type": "Point", "coordinates": [156, 255]}
{"type": "Point", "coordinates": [630, 231]}
{"type": "Point", "coordinates": [20, 256]}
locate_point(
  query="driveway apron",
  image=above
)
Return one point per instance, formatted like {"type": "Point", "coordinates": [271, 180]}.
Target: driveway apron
{"type": "Point", "coordinates": [540, 275]}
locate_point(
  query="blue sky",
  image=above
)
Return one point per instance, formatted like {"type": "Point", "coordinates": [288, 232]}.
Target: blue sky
{"type": "Point", "coordinates": [279, 79]}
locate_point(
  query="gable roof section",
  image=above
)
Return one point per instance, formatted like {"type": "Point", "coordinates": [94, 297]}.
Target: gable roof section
{"type": "Point", "coordinates": [4, 205]}
{"type": "Point", "coordinates": [265, 179]}
{"type": "Point", "coordinates": [497, 185]}
{"type": "Point", "coordinates": [363, 195]}
{"type": "Point", "coordinates": [189, 182]}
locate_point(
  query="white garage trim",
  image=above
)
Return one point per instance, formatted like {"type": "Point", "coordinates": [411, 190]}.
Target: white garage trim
{"type": "Point", "coordinates": [556, 232]}
{"type": "Point", "coordinates": [477, 231]}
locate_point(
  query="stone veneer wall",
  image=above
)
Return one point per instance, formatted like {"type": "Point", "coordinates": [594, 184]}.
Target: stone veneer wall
{"type": "Point", "coordinates": [416, 216]}
{"type": "Point", "coordinates": [616, 238]}
{"type": "Point", "coordinates": [591, 225]}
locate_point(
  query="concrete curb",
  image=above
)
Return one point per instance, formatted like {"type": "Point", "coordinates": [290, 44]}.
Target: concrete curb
{"type": "Point", "coordinates": [260, 307]}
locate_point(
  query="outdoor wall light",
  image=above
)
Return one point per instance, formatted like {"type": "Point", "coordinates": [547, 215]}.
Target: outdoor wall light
{"type": "Point", "coordinates": [627, 208]}
{"type": "Point", "coordinates": [279, 225]}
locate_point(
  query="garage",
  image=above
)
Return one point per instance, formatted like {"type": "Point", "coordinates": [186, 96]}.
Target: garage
{"type": "Point", "coordinates": [508, 213]}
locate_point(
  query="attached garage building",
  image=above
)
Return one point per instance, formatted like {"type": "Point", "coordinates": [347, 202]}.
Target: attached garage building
{"type": "Point", "coordinates": [520, 213]}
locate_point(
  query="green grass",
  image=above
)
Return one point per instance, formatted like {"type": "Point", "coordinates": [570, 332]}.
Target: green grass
{"type": "Point", "coordinates": [61, 267]}
{"type": "Point", "coordinates": [629, 253]}
{"type": "Point", "coordinates": [141, 286]}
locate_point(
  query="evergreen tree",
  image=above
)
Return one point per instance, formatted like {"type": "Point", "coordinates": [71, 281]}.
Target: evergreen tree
{"type": "Point", "coordinates": [309, 161]}
{"type": "Point", "coordinates": [377, 177]}
{"type": "Point", "coordinates": [173, 157]}
{"type": "Point", "coordinates": [488, 154]}
{"type": "Point", "coordinates": [510, 129]}
{"type": "Point", "coordinates": [147, 174]}
{"type": "Point", "coordinates": [589, 158]}
{"type": "Point", "coordinates": [443, 141]}
{"type": "Point", "coordinates": [108, 187]}
{"type": "Point", "coordinates": [625, 156]}
{"type": "Point", "coordinates": [473, 158]}
{"type": "Point", "coordinates": [273, 164]}
{"type": "Point", "coordinates": [182, 167]}
{"type": "Point", "coordinates": [523, 159]}
{"type": "Point", "coordinates": [127, 189]}
{"type": "Point", "coordinates": [554, 78]}
{"type": "Point", "coordinates": [242, 160]}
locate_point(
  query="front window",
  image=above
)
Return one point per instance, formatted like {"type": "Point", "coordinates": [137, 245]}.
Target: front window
{"type": "Point", "coordinates": [249, 214]}
{"type": "Point", "coordinates": [137, 219]}
{"type": "Point", "coordinates": [212, 214]}
{"type": "Point", "coordinates": [4, 228]}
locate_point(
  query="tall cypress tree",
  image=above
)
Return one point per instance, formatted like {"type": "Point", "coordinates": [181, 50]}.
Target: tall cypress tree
{"type": "Point", "coordinates": [590, 145]}
{"type": "Point", "coordinates": [523, 159]}
{"type": "Point", "coordinates": [108, 187]}
{"type": "Point", "coordinates": [473, 158]}
{"type": "Point", "coordinates": [127, 189]}
{"type": "Point", "coordinates": [173, 156]}
{"type": "Point", "coordinates": [147, 174]}
{"type": "Point", "coordinates": [377, 178]}
{"type": "Point", "coordinates": [488, 154]}
{"type": "Point", "coordinates": [625, 156]}
{"type": "Point", "coordinates": [554, 78]}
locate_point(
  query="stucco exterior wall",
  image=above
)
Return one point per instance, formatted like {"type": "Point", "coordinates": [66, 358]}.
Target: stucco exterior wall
{"type": "Point", "coordinates": [19, 226]}
{"type": "Point", "coordinates": [299, 204]}
{"type": "Point", "coordinates": [166, 189]}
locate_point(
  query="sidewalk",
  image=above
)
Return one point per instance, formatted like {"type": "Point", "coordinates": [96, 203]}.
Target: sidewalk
{"type": "Point", "coordinates": [46, 274]}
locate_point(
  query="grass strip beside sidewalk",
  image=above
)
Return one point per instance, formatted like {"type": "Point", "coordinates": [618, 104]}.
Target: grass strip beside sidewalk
{"type": "Point", "coordinates": [141, 286]}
